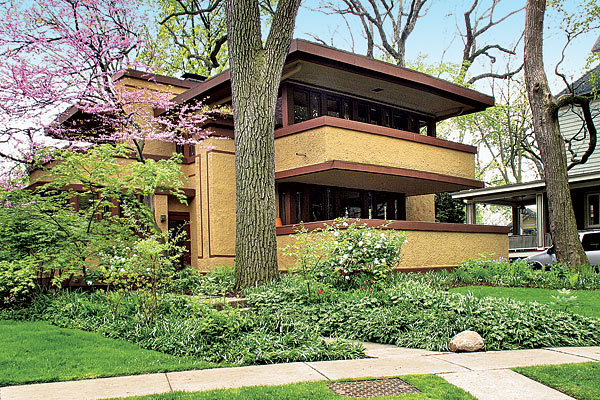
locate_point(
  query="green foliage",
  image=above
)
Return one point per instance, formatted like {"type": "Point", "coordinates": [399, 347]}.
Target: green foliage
{"type": "Point", "coordinates": [564, 299]}
{"type": "Point", "coordinates": [346, 253]}
{"type": "Point", "coordinates": [411, 313]}
{"type": "Point", "coordinates": [448, 209]}
{"type": "Point", "coordinates": [521, 273]}
{"type": "Point", "coordinates": [186, 327]}
{"type": "Point", "coordinates": [16, 281]}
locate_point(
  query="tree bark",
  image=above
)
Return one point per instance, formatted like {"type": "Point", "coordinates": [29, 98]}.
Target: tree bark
{"type": "Point", "coordinates": [255, 76]}
{"type": "Point", "coordinates": [551, 144]}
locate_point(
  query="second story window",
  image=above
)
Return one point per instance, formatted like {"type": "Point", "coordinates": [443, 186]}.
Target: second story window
{"type": "Point", "coordinates": [300, 106]}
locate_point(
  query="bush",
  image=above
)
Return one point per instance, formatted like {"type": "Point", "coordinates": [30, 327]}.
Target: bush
{"type": "Point", "coordinates": [413, 314]}
{"type": "Point", "coordinates": [520, 273]}
{"type": "Point", "coordinates": [338, 253]}
{"type": "Point", "coordinates": [16, 281]}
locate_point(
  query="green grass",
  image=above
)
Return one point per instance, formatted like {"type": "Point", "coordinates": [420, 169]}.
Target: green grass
{"type": "Point", "coordinates": [432, 388]}
{"type": "Point", "coordinates": [588, 301]}
{"type": "Point", "coordinates": [581, 381]}
{"type": "Point", "coordinates": [39, 352]}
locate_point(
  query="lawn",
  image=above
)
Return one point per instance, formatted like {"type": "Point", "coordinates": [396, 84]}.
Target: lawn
{"type": "Point", "coordinates": [588, 301]}
{"type": "Point", "coordinates": [581, 381]}
{"type": "Point", "coordinates": [40, 352]}
{"type": "Point", "coordinates": [432, 388]}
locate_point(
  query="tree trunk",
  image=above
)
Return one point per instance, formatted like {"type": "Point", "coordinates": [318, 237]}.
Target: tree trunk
{"type": "Point", "coordinates": [255, 76]}
{"type": "Point", "coordinates": [552, 149]}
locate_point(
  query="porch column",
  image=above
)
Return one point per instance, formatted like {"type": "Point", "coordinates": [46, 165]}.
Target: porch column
{"type": "Point", "coordinates": [471, 213]}
{"type": "Point", "coordinates": [516, 220]}
{"type": "Point", "coordinates": [540, 221]}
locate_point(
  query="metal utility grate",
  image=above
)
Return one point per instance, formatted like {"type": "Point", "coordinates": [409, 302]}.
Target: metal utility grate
{"type": "Point", "coordinates": [372, 387]}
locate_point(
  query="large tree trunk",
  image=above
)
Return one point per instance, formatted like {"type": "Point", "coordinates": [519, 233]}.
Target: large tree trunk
{"type": "Point", "coordinates": [551, 144]}
{"type": "Point", "coordinates": [255, 75]}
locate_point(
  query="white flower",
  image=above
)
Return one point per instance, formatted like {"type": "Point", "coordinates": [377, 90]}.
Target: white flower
{"type": "Point", "coordinates": [350, 247]}
{"type": "Point", "coordinates": [369, 234]}
{"type": "Point", "coordinates": [122, 269]}
{"type": "Point", "coordinates": [383, 260]}
{"type": "Point", "coordinates": [148, 269]}
{"type": "Point", "coordinates": [376, 261]}
{"type": "Point", "coordinates": [336, 233]}
{"type": "Point", "coordinates": [347, 277]}
{"type": "Point", "coordinates": [344, 223]}
{"type": "Point", "coordinates": [405, 241]}
{"type": "Point", "coordinates": [336, 243]}
{"type": "Point", "coordinates": [89, 283]}
{"type": "Point", "coordinates": [382, 235]}
{"type": "Point", "coordinates": [360, 243]}
{"type": "Point", "coordinates": [377, 246]}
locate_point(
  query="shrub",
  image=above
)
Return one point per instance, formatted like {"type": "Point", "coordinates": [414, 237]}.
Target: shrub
{"type": "Point", "coordinates": [413, 314]}
{"type": "Point", "coordinates": [16, 281]}
{"type": "Point", "coordinates": [337, 253]}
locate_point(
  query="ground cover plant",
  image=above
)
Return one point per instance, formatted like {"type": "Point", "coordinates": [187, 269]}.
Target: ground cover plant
{"type": "Point", "coordinates": [581, 381]}
{"type": "Point", "coordinates": [39, 352]}
{"type": "Point", "coordinates": [413, 314]}
{"type": "Point", "coordinates": [432, 388]}
{"type": "Point", "coordinates": [586, 302]}
{"type": "Point", "coordinates": [184, 326]}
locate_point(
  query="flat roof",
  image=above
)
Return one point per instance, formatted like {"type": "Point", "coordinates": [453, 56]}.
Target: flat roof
{"type": "Point", "coordinates": [345, 61]}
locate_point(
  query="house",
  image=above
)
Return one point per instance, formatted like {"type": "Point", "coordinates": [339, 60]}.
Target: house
{"type": "Point", "coordinates": [584, 180]}
{"type": "Point", "coordinates": [354, 137]}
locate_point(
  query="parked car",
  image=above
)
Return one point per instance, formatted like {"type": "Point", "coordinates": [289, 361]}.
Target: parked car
{"type": "Point", "coordinates": [591, 244]}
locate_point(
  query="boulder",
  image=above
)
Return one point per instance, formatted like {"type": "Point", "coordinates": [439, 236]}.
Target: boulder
{"type": "Point", "coordinates": [466, 341]}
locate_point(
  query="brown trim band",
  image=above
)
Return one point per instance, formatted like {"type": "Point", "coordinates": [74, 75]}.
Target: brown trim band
{"type": "Point", "coordinates": [371, 129]}
{"type": "Point", "coordinates": [403, 226]}
{"type": "Point", "coordinates": [150, 77]}
{"type": "Point", "coordinates": [189, 193]}
{"type": "Point", "coordinates": [377, 169]}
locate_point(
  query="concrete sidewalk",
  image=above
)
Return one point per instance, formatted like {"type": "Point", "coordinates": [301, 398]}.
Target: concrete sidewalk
{"type": "Point", "coordinates": [485, 375]}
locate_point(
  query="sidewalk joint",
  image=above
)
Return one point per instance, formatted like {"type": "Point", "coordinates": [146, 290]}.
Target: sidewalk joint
{"type": "Point", "coordinates": [571, 354]}
{"type": "Point", "coordinates": [168, 381]}
{"type": "Point", "coordinates": [317, 371]}
{"type": "Point", "coordinates": [450, 362]}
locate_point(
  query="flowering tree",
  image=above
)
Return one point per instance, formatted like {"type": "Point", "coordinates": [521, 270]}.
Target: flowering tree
{"type": "Point", "coordinates": [70, 54]}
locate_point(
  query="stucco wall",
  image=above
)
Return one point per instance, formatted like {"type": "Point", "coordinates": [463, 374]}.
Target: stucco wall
{"type": "Point", "coordinates": [420, 208]}
{"type": "Point", "coordinates": [430, 249]}
{"type": "Point", "coordinates": [328, 143]}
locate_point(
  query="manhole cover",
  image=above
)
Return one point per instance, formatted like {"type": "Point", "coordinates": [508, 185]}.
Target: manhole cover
{"type": "Point", "coordinates": [372, 387]}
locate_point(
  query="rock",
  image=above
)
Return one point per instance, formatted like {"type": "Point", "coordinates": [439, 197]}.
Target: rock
{"type": "Point", "coordinates": [466, 341]}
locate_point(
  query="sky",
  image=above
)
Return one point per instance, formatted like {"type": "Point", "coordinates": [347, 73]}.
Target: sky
{"type": "Point", "coordinates": [436, 33]}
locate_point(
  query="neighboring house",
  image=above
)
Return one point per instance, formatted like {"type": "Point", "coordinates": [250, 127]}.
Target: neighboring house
{"type": "Point", "coordinates": [354, 137]}
{"type": "Point", "coordinates": [584, 180]}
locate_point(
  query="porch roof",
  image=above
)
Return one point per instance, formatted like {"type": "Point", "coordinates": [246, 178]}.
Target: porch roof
{"type": "Point", "coordinates": [522, 193]}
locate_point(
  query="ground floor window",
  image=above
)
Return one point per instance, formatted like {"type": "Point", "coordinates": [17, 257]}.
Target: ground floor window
{"type": "Point", "coordinates": [310, 203]}
{"type": "Point", "coordinates": [593, 210]}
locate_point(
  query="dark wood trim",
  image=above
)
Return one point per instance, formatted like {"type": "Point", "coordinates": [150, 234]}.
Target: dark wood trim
{"type": "Point", "coordinates": [200, 212]}
{"type": "Point", "coordinates": [150, 77]}
{"type": "Point", "coordinates": [377, 169]}
{"type": "Point", "coordinates": [371, 129]}
{"type": "Point", "coordinates": [210, 253]}
{"type": "Point", "coordinates": [77, 187]}
{"type": "Point", "coordinates": [403, 226]}
{"type": "Point", "coordinates": [301, 49]}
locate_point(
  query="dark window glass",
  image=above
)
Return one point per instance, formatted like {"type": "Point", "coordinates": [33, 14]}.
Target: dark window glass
{"type": "Point", "coordinates": [350, 202]}
{"type": "Point", "coordinates": [399, 121]}
{"type": "Point", "coordinates": [333, 107]}
{"type": "Point", "coordinates": [317, 204]}
{"type": "Point", "coordinates": [363, 112]}
{"type": "Point", "coordinates": [387, 117]}
{"type": "Point", "coordinates": [374, 115]}
{"type": "Point", "coordinates": [298, 207]}
{"type": "Point", "coordinates": [593, 209]}
{"type": "Point", "coordinates": [591, 242]}
{"type": "Point", "coordinates": [279, 113]}
{"type": "Point", "coordinates": [180, 149]}
{"type": "Point", "coordinates": [347, 109]}
{"type": "Point", "coordinates": [192, 150]}
{"type": "Point", "coordinates": [315, 105]}
{"type": "Point", "coordinates": [86, 201]}
{"type": "Point", "coordinates": [422, 127]}
{"type": "Point", "coordinates": [282, 209]}
{"type": "Point", "coordinates": [300, 106]}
